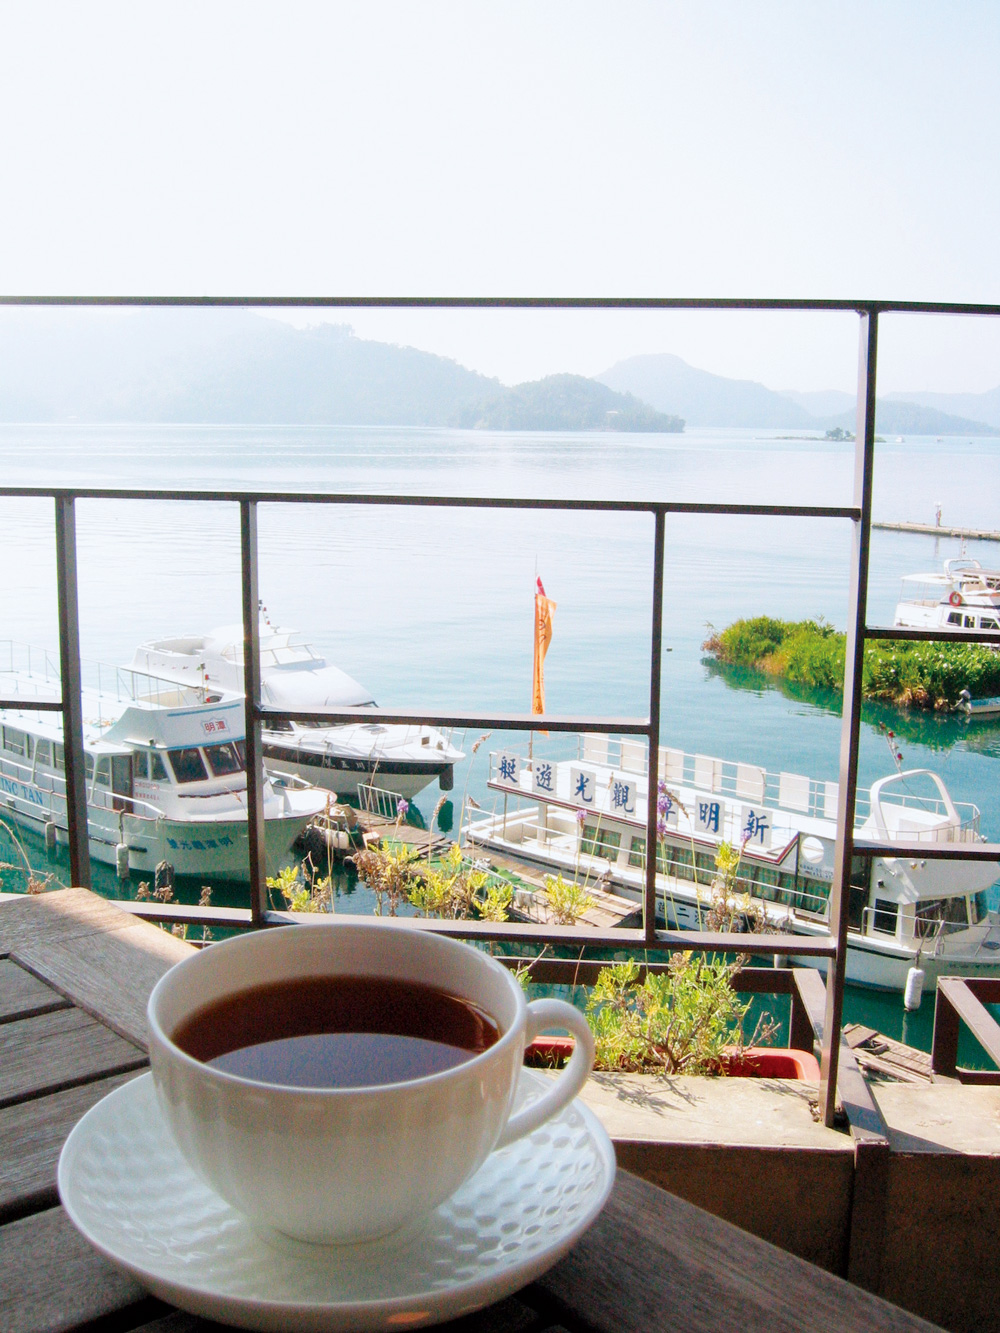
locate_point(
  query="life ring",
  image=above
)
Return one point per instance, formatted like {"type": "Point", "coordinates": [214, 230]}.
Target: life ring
{"type": "Point", "coordinates": [955, 599]}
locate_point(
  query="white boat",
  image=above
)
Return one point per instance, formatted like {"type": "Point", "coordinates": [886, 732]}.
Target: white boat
{"type": "Point", "coordinates": [587, 819]}
{"type": "Point", "coordinates": [398, 759]}
{"type": "Point", "coordinates": [165, 776]}
{"type": "Point", "coordinates": [962, 596]}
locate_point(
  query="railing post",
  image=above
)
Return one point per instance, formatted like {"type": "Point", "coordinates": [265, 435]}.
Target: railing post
{"type": "Point", "coordinates": [653, 757]}
{"type": "Point", "coordinates": [944, 1043]}
{"type": "Point", "coordinates": [251, 704]}
{"type": "Point", "coordinates": [72, 705]}
{"type": "Point", "coordinates": [864, 455]}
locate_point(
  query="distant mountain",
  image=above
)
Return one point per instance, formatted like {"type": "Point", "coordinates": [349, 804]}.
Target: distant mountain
{"type": "Point", "coordinates": [893, 417]}
{"type": "Point", "coordinates": [566, 402]}
{"type": "Point", "coordinates": [977, 406]}
{"type": "Point", "coordinates": [822, 402]}
{"type": "Point", "coordinates": [702, 399]}
{"type": "Point", "coordinates": [219, 365]}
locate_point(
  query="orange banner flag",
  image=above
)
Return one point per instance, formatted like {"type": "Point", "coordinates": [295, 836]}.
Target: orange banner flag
{"type": "Point", "coordinates": [544, 609]}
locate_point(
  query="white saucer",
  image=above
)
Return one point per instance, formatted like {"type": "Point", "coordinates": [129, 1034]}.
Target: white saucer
{"type": "Point", "coordinates": [127, 1188]}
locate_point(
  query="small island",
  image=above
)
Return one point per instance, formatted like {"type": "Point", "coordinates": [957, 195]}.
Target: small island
{"type": "Point", "coordinates": [566, 402]}
{"type": "Point", "coordinates": [907, 674]}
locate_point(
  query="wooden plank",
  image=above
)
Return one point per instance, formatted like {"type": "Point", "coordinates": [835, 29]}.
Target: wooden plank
{"type": "Point", "coordinates": [22, 995]}
{"type": "Point", "coordinates": [32, 1134]}
{"type": "Point", "coordinates": [106, 963]}
{"type": "Point", "coordinates": [63, 913]}
{"type": "Point", "coordinates": [652, 1261]}
{"type": "Point", "coordinates": [52, 1280]}
{"type": "Point", "coordinates": [43, 1054]}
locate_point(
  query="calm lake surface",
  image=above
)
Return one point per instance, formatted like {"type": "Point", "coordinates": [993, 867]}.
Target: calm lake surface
{"type": "Point", "coordinates": [433, 608]}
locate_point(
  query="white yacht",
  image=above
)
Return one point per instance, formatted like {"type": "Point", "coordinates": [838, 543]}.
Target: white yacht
{"type": "Point", "coordinates": [962, 596]}
{"type": "Point", "coordinates": [587, 819]}
{"type": "Point", "coordinates": [399, 759]}
{"type": "Point", "coordinates": [165, 776]}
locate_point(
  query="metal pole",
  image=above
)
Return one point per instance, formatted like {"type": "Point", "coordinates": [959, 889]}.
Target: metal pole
{"type": "Point", "coordinates": [850, 729]}
{"type": "Point", "coordinates": [72, 705]}
{"type": "Point", "coordinates": [653, 760]}
{"type": "Point", "coordinates": [251, 686]}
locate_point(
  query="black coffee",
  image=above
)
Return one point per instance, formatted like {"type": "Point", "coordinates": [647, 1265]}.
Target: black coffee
{"type": "Point", "coordinates": [337, 1032]}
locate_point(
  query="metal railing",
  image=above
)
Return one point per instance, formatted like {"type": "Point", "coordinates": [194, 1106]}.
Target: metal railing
{"type": "Point", "coordinates": [833, 948]}
{"type": "Point", "coordinates": [964, 1001]}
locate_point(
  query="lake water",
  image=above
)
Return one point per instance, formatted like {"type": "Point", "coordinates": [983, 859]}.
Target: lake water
{"type": "Point", "coordinates": [433, 608]}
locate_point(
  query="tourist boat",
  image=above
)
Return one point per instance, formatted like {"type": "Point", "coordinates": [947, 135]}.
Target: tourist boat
{"type": "Point", "coordinates": [963, 596]}
{"type": "Point", "coordinates": [586, 818]}
{"type": "Point", "coordinates": [398, 759]}
{"type": "Point", "coordinates": [165, 777]}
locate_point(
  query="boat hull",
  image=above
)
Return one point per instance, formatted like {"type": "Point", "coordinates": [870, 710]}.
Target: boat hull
{"type": "Point", "coordinates": [343, 774]}
{"type": "Point", "coordinates": [201, 849]}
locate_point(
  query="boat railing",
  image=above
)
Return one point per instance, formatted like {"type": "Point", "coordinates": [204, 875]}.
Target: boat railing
{"type": "Point", "coordinates": [378, 801]}
{"type": "Point", "coordinates": [123, 684]}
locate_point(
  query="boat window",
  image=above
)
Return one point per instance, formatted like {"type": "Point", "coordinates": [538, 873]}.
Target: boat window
{"type": "Point", "coordinates": [88, 763]}
{"type": "Point", "coordinates": [970, 622]}
{"type": "Point", "coordinates": [988, 623]}
{"type": "Point", "coordinates": [140, 767]}
{"type": "Point", "coordinates": [157, 768]}
{"type": "Point", "coordinates": [951, 912]}
{"type": "Point", "coordinates": [15, 741]}
{"type": "Point", "coordinates": [884, 917]}
{"type": "Point", "coordinates": [104, 771]}
{"type": "Point", "coordinates": [58, 756]}
{"type": "Point", "coordinates": [43, 753]}
{"type": "Point", "coordinates": [980, 907]}
{"type": "Point", "coordinates": [188, 765]}
{"type": "Point", "coordinates": [637, 853]}
{"type": "Point", "coordinates": [954, 618]}
{"type": "Point", "coordinates": [600, 842]}
{"type": "Point", "coordinates": [225, 759]}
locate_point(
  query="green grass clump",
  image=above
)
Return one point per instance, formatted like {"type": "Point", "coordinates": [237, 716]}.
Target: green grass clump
{"type": "Point", "coordinates": [811, 652]}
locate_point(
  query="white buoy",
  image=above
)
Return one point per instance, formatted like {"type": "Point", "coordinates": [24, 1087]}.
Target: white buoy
{"type": "Point", "coordinates": [50, 836]}
{"type": "Point", "coordinates": [914, 989]}
{"type": "Point", "coordinates": [121, 860]}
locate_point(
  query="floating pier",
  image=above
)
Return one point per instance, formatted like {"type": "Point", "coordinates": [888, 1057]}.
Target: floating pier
{"type": "Point", "coordinates": [885, 1060]}
{"type": "Point", "coordinates": [939, 530]}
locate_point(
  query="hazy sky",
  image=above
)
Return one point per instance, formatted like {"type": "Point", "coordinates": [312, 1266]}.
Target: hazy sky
{"type": "Point", "coordinates": [702, 148]}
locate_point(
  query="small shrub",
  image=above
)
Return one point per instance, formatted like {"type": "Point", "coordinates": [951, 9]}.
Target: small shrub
{"type": "Point", "coordinates": [687, 1020]}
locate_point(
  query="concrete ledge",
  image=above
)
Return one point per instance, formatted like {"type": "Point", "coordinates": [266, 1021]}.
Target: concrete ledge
{"type": "Point", "coordinates": [943, 1203]}
{"type": "Point", "coordinates": [747, 1150]}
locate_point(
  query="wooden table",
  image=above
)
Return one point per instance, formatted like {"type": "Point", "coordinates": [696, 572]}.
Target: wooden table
{"type": "Point", "coordinates": [75, 973]}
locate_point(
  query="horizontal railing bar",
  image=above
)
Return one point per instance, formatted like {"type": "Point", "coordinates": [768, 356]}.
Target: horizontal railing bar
{"type": "Point", "coordinates": [434, 501]}
{"type": "Point", "coordinates": [697, 941]}
{"type": "Point", "coordinates": [526, 303]}
{"type": "Point", "coordinates": [932, 635]}
{"type": "Point", "coordinates": [632, 726]}
{"type": "Point", "coordinates": [32, 705]}
{"type": "Point", "coordinates": [931, 851]}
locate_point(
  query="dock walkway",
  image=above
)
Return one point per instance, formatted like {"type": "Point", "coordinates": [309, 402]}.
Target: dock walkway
{"type": "Point", "coordinates": [939, 530]}
{"type": "Point", "coordinates": [885, 1060]}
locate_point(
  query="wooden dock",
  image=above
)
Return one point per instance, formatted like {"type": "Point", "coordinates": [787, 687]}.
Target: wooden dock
{"type": "Point", "coordinates": [939, 530]}
{"type": "Point", "coordinates": [882, 1059]}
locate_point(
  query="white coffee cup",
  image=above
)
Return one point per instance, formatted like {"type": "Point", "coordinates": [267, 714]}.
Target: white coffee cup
{"type": "Point", "coordinates": [336, 1165]}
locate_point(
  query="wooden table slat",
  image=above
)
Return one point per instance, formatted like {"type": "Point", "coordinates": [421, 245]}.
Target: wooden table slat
{"type": "Point", "coordinates": [43, 1054]}
{"type": "Point", "coordinates": [22, 995]}
{"type": "Point", "coordinates": [698, 1272]}
{"type": "Point", "coordinates": [52, 1280]}
{"type": "Point", "coordinates": [32, 1134]}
